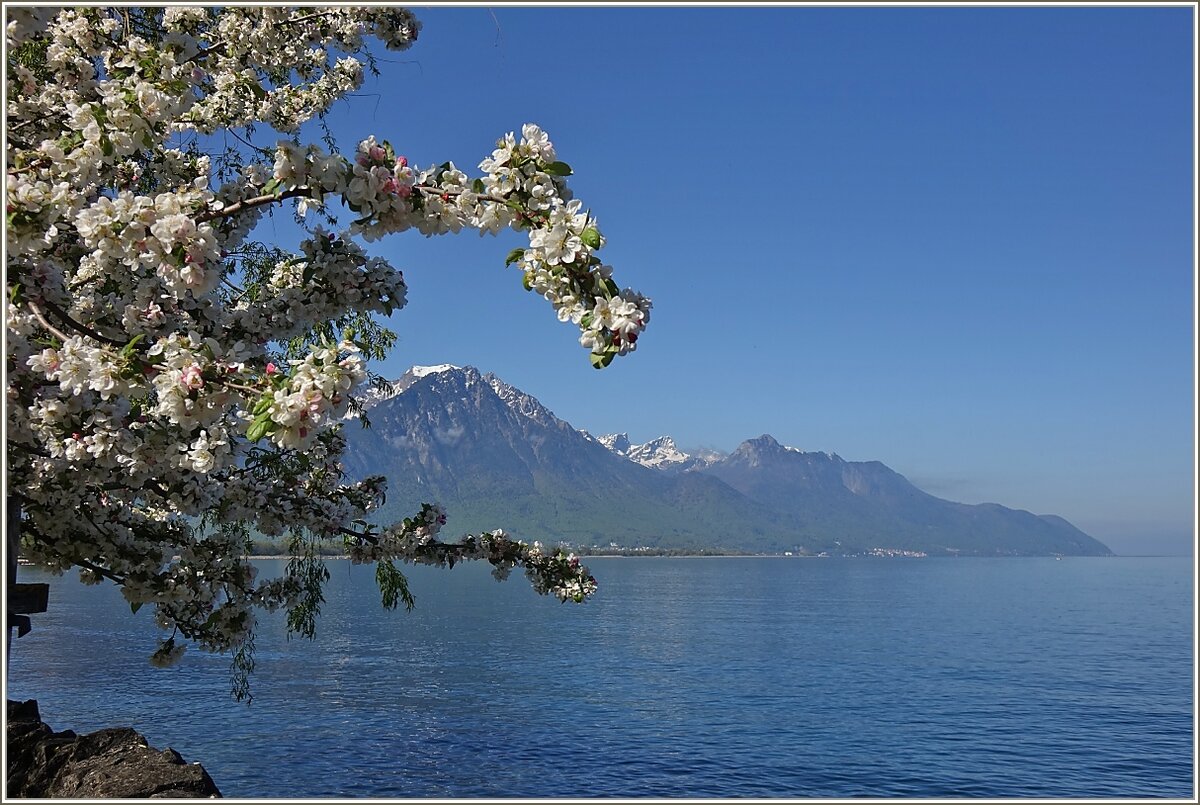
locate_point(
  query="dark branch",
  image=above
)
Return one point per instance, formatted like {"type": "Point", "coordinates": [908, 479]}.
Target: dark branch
{"type": "Point", "coordinates": [69, 322]}
{"type": "Point", "coordinates": [251, 203]}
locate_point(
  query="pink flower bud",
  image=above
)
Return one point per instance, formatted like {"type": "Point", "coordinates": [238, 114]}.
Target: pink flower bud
{"type": "Point", "coordinates": [271, 369]}
{"type": "Point", "coordinates": [377, 153]}
{"type": "Point", "coordinates": [401, 162]}
{"type": "Point", "coordinates": [191, 378]}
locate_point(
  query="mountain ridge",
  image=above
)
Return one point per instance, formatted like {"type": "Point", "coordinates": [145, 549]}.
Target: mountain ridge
{"type": "Point", "coordinates": [495, 456]}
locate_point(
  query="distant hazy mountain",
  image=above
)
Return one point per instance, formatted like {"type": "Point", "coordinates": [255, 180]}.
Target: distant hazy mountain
{"type": "Point", "coordinates": [845, 499]}
{"type": "Point", "coordinates": [496, 457]}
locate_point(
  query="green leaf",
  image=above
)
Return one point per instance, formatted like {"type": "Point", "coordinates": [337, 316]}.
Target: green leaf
{"type": "Point", "coordinates": [557, 169]}
{"type": "Point", "coordinates": [527, 281]}
{"type": "Point", "coordinates": [134, 607]}
{"type": "Point", "coordinates": [259, 427]}
{"type": "Point", "coordinates": [127, 350]}
{"type": "Point", "coordinates": [602, 360]}
{"type": "Point", "coordinates": [591, 237]}
{"type": "Point", "coordinates": [270, 187]}
{"type": "Point", "coordinates": [478, 186]}
{"type": "Point", "coordinates": [393, 586]}
{"type": "Point", "coordinates": [514, 256]}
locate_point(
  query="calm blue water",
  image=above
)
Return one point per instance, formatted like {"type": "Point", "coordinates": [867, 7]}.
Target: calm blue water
{"type": "Point", "coordinates": [730, 677]}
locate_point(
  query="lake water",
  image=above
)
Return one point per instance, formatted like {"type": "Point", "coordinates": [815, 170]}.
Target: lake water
{"type": "Point", "coordinates": [730, 677]}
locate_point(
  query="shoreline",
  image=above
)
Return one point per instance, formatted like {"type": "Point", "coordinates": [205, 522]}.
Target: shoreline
{"type": "Point", "coordinates": [642, 555]}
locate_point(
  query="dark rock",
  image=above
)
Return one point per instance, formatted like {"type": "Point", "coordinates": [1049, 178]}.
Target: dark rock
{"type": "Point", "coordinates": [109, 763]}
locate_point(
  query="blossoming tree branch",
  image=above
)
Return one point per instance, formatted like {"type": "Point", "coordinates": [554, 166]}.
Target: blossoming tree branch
{"type": "Point", "coordinates": [174, 386]}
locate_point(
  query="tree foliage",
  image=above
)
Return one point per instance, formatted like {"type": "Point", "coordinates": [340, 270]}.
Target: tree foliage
{"type": "Point", "coordinates": [175, 385]}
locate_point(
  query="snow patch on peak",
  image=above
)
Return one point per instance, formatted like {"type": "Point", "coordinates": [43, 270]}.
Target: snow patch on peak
{"type": "Point", "coordinates": [370, 396]}
{"type": "Point", "coordinates": [660, 453]}
{"type": "Point", "coordinates": [617, 442]}
{"type": "Point", "coordinates": [657, 454]}
{"type": "Point", "coordinates": [422, 371]}
{"type": "Point", "coordinates": [520, 402]}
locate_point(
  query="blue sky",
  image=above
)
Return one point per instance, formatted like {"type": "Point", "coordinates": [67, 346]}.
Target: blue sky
{"type": "Point", "coordinates": [955, 240]}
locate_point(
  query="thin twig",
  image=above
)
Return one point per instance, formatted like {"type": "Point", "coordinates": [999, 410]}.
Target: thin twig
{"type": "Point", "coordinates": [37, 163]}
{"type": "Point", "coordinates": [108, 574]}
{"type": "Point", "coordinates": [307, 17]}
{"type": "Point", "coordinates": [62, 316]}
{"type": "Point", "coordinates": [239, 387]}
{"type": "Point", "coordinates": [37, 314]}
{"type": "Point", "coordinates": [244, 141]}
{"type": "Point", "coordinates": [250, 203]}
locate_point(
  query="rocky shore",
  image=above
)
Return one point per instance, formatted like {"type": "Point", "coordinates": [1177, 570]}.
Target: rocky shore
{"type": "Point", "coordinates": [109, 763]}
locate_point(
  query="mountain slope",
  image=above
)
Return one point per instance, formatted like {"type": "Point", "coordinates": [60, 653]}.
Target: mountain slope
{"type": "Point", "coordinates": [862, 505]}
{"type": "Point", "coordinates": [495, 457]}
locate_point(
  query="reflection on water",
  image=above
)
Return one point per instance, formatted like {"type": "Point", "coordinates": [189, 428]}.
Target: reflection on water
{"type": "Point", "coordinates": [683, 677]}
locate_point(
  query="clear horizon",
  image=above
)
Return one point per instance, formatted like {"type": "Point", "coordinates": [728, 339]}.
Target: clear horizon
{"type": "Point", "coordinates": [958, 241]}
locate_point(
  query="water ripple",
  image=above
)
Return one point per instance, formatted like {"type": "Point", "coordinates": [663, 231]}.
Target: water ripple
{"type": "Point", "coordinates": [702, 678]}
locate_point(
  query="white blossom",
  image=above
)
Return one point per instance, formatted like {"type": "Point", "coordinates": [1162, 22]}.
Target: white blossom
{"type": "Point", "coordinates": [151, 389]}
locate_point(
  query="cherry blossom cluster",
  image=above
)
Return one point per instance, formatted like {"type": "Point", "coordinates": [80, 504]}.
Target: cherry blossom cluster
{"type": "Point", "coordinates": [177, 386]}
{"type": "Point", "coordinates": [329, 278]}
{"type": "Point", "coordinates": [524, 187]}
{"type": "Point", "coordinates": [414, 541]}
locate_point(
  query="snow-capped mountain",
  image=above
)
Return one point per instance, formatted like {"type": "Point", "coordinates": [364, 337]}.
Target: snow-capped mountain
{"type": "Point", "coordinates": [371, 396]}
{"type": "Point", "coordinates": [658, 454]}
{"type": "Point", "coordinates": [496, 457]}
